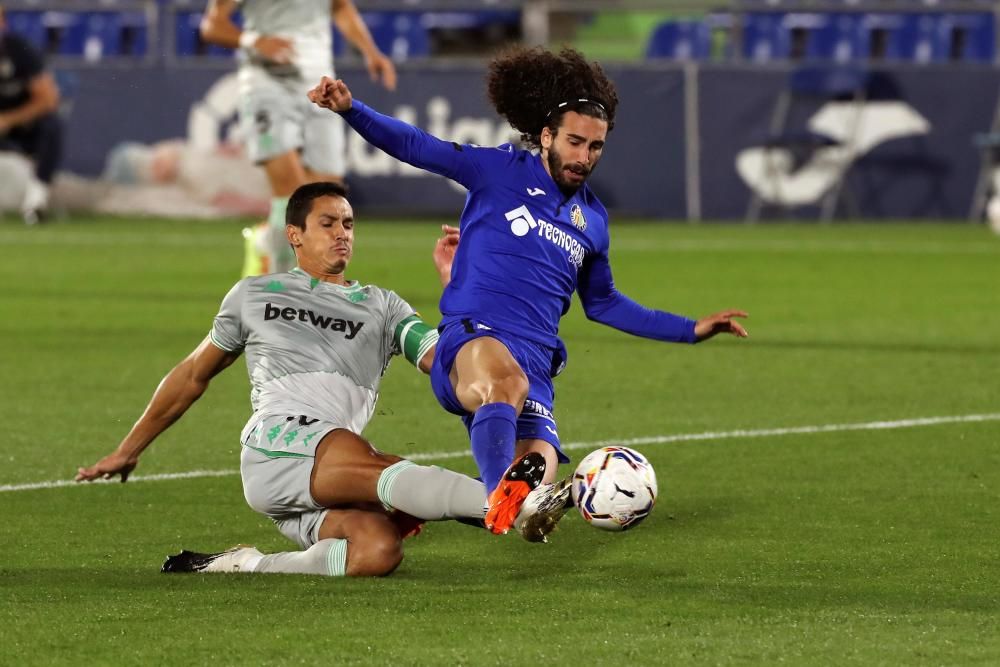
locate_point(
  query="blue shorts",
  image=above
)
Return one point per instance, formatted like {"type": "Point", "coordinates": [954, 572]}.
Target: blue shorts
{"type": "Point", "coordinates": [538, 362]}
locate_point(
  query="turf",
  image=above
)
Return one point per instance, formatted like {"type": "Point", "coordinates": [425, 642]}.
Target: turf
{"type": "Point", "coordinates": [871, 546]}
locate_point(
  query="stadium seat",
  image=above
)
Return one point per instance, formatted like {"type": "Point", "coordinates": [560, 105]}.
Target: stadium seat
{"type": "Point", "coordinates": [680, 40]}
{"type": "Point", "coordinates": [764, 38]}
{"type": "Point", "coordinates": [942, 37]}
{"type": "Point", "coordinates": [969, 37]}
{"type": "Point", "coordinates": [878, 35]}
{"type": "Point", "coordinates": [810, 85]}
{"type": "Point", "coordinates": [188, 41]}
{"type": "Point", "coordinates": [400, 35]}
{"type": "Point", "coordinates": [29, 25]}
{"type": "Point", "coordinates": [770, 36]}
{"type": "Point", "coordinates": [103, 34]}
{"type": "Point", "coordinates": [837, 39]}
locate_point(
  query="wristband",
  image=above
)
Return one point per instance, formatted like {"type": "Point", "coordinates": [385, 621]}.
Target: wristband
{"type": "Point", "coordinates": [248, 39]}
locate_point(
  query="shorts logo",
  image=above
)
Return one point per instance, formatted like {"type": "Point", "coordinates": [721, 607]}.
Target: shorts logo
{"type": "Point", "coordinates": [576, 217]}
{"type": "Point", "coordinates": [533, 407]}
{"type": "Point", "coordinates": [262, 121]}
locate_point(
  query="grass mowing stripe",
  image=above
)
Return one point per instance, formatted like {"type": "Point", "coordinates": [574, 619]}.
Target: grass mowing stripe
{"type": "Point", "coordinates": [646, 440]}
{"type": "Point", "coordinates": [740, 245]}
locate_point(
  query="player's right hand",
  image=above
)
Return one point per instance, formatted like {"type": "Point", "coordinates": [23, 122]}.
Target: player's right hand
{"type": "Point", "coordinates": [331, 94]}
{"type": "Point", "coordinates": [276, 49]}
{"type": "Point", "coordinates": [111, 465]}
{"type": "Point", "coordinates": [444, 252]}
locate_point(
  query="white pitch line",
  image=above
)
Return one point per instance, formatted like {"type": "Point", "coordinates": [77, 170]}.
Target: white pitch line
{"type": "Point", "coordinates": [648, 440]}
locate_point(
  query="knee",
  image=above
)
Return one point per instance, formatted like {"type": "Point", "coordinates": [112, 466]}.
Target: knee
{"type": "Point", "coordinates": [510, 387]}
{"type": "Point", "coordinates": [375, 552]}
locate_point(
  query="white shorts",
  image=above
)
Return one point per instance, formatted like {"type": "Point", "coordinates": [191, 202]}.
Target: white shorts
{"type": "Point", "coordinates": [275, 118]}
{"type": "Point", "coordinates": [276, 463]}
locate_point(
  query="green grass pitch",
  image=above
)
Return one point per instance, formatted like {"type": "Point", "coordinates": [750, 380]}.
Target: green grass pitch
{"type": "Point", "coordinates": [812, 546]}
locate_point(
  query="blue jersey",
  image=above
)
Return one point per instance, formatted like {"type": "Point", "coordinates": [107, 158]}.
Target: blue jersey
{"type": "Point", "coordinates": [525, 248]}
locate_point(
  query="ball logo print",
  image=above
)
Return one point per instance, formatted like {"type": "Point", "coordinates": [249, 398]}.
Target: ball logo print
{"type": "Point", "coordinates": [614, 488]}
{"type": "Point", "coordinates": [521, 221]}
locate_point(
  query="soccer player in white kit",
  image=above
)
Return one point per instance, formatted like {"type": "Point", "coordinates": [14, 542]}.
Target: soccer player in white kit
{"type": "Point", "coordinates": [316, 346]}
{"type": "Point", "coordinates": [284, 47]}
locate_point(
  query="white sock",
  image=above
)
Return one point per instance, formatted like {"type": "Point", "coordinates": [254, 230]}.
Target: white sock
{"type": "Point", "coordinates": [431, 493]}
{"type": "Point", "coordinates": [326, 557]}
{"type": "Point", "coordinates": [36, 196]}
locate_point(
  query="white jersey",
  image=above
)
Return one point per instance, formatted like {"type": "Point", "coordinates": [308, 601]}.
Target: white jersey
{"type": "Point", "coordinates": [306, 23]}
{"type": "Point", "coordinates": [313, 348]}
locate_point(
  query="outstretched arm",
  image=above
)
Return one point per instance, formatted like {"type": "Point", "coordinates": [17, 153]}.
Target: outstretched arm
{"type": "Point", "coordinates": [181, 387]}
{"type": "Point", "coordinates": [400, 140]}
{"type": "Point", "coordinates": [353, 27]}
{"type": "Point", "coordinates": [217, 27]}
{"type": "Point", "coordinates": [603, 303]}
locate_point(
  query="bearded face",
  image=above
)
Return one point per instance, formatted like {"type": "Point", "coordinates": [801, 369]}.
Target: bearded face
{"type": "Point", "coordinates": [571, 153]}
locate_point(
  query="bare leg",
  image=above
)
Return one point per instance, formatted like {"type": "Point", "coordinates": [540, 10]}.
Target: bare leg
{"type": "Point", "coordinates": [545, 449]}
{"type": "Point", "coordinates": [348, 470]}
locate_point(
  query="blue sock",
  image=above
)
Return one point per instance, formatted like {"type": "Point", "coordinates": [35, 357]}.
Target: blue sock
{"type": "Point", "coordinates": [493, 434]}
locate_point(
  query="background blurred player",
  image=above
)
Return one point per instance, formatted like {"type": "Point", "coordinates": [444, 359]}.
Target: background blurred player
{"type": "Point", "coordinates": [532, 233]}
{"type": "Point", "coordinates": [316, 347]}
{"type": "Point", "coordinates": [29, 125]}
{"type": "Point", "coordinates": [284, 48]}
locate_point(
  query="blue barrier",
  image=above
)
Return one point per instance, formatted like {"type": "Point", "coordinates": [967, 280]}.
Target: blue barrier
{"type": "Point", "coordinates": [927, 170]}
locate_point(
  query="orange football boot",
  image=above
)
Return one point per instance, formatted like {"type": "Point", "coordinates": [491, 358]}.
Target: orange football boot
{"type": "Point", "coordinates": [521, 478]}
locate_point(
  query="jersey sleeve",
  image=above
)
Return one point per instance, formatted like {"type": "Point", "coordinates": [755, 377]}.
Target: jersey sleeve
{"type": "Point", "coordinates": [228, 332]}
{"type": "Point", "coordinates": [406, 332]}
{"type": "Point", "coordinates": [470, 166]}
{"type": "Point", "coordinates": [603, 303]}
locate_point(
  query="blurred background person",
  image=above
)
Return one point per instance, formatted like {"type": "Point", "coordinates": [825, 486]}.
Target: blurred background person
{"type": "Point", "coordinates": [284, 48]}
{"type": "Point", "coordinates": [29, 125]}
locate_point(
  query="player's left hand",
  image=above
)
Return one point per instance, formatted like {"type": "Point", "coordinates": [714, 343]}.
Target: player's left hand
{"type": "Point", "coordinates": [444, 252]}
{"type": "Point", "coordinates": [111, 465]}
{"type": "Point", "coordinates": [5, 124]}
{"type": "Point", "coordinates": [381, 69]}
{"type": "Point", "coordinates": [722, 322]}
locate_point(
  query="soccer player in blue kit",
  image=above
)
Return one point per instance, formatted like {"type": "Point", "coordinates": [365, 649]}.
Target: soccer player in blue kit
{"type": "Point", "coordinates": [532, 233]}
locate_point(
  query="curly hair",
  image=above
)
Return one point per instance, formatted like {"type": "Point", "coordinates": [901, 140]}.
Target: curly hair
{"type": "Point", "coordinates": [533, 88]}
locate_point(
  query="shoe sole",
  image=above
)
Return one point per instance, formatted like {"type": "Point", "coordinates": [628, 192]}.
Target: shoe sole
{"type": "Point", "coordinates": [187, 561]}
{"type": "Point", "coordinates": [540, 525]}
{"type": "Point", "coordinates": [522, 478]}
{"type": "Point", "coordinates": [192, 561]}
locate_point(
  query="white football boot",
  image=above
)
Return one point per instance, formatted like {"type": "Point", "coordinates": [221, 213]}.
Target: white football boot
{"type": "Point", "coordinates": [542, 510]}
{"type": "Point", "coordinates": [229, 561]}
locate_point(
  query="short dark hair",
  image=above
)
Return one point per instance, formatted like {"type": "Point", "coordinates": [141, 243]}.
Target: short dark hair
{"type": "Point", "coordinates": [301, 202]}
{"type": "Point", "coordinates": [534, 88]}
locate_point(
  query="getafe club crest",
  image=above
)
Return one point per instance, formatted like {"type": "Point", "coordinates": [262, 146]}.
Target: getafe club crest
{"type": "Point", "coordinates": [576, 216]}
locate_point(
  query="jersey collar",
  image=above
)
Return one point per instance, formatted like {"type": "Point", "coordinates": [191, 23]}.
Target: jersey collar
{"type": "Point", "coordinates": [351, 287]}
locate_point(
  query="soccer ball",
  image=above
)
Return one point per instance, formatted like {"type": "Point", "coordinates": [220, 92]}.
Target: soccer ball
{"type": "Point", "coordinates": [614, 488]}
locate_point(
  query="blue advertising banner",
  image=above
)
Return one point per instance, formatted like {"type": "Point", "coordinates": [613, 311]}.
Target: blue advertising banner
{"type": "Point", "coordinates": [906, 150]}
